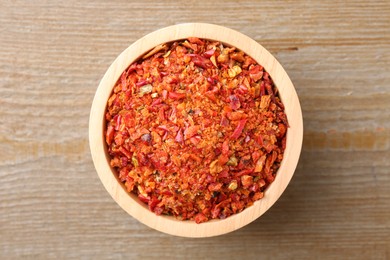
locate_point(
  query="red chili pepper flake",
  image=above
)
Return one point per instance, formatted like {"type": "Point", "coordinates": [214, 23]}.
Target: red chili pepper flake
{"type": "Point", "coordinates": [234, 102]}
{"type": "Point", "coordinates": [237, 132]}
{"type": "Point", "coordinates": [191, 131]}
{"type": "Point", "coordinates": [176, 96]}
{"type": "Point", "coordinates": [179, 137]}
{"type": "Point", "coordinates": [109, 134]}
{"type": "Point", "coordinates": [201, 61]}
{"type": "Point", "coordinates": [146, 138]}
{"type": "Point", "coordinates": [196, 130]}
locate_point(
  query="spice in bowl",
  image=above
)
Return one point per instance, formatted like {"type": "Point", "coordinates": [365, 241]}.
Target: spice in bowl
{"type": "Point", "coordinates": [196, 129]}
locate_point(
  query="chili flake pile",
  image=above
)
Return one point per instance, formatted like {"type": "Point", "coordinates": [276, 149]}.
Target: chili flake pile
{"type": "Point", "coordinates": [196, 130]}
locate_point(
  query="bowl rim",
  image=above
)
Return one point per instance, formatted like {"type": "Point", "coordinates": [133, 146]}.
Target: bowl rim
{"type": "Point", "coordinates": [129, 202]}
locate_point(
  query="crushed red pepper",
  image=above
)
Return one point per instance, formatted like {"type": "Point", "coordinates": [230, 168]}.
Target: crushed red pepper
{"type": "Point", "coordinates": [196, 130]}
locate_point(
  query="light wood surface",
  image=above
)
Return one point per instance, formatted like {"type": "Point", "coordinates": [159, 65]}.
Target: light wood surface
{"type": "Point", "coordinates": [52, 57]}
{"type": "Point", "coordinates": [129, 202]}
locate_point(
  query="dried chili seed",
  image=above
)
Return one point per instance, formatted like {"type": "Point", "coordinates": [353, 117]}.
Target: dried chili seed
{"type": "Point", "coordinates": [196, 130]}
{"type": "Point", "coordinates": [233, 185]}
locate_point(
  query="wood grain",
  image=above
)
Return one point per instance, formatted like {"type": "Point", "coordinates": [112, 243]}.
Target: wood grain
{"type": "Point", "coordinates": [52, 56]}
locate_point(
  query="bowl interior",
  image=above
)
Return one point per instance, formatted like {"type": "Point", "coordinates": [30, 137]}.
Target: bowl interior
{"type": "Point", "coordinates": [130, 202]}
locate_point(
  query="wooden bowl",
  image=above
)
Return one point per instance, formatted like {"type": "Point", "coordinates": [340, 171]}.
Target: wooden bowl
{"type": "Point", "coordinates": [129, 202]}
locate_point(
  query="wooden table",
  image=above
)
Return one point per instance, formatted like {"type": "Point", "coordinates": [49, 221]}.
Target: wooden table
{"type": "Point", "coordinates": [52, 56]}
